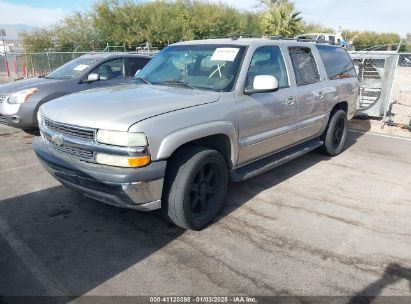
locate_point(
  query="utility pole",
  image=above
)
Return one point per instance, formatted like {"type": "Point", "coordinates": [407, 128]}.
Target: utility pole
{"type": "Point", "coordinates": [3, 34]}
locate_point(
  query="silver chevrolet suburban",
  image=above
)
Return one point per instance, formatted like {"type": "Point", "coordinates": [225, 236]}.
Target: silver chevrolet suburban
{"type": "Point", "coordinates": [199, 113]}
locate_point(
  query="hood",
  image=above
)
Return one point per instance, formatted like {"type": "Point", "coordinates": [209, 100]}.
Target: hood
{"type": "Point", "coordinates": [119, 107]}
{"type": "Point", "coordinates": [15, 86]}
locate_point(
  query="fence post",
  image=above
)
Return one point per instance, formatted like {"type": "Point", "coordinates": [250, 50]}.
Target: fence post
{"type": "Point", "coordinates": [23, 67]}
{"type": "Point", "coordinates": [48, 60]}
{"type": "Point", "coordinates": [26, 64]}
{"type": "Point", "coordinates": [7, 67]}
{"type": "Point", "coordinates": [33, 72]}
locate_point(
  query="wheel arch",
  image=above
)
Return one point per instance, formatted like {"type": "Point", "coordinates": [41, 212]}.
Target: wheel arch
{"type": "Point", "coordinates": [342, 105]}
{"type": "Point", "coordinates": [220, 136]}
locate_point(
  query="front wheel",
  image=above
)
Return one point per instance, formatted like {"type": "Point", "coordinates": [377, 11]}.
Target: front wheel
{"type": "Point", "coordinates": [196, 184]}
{"type": "Point", "coordinates": [335, 135]}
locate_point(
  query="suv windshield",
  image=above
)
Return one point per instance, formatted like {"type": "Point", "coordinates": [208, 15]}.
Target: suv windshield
{"type": "Point", "coordinates": [208, 67]}
{"type": "Point", "coordinates": [72, 69]}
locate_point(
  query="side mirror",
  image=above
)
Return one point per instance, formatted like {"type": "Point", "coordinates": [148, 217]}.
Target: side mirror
{"type": "Point", "coordinates": [138, 71]}
{"type": "Point", "coordinates": [263, 84]}
{"type": "Point", "coordinates": [92, 77]}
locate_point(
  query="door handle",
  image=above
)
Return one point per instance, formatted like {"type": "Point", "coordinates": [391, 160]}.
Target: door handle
{"type": "Point", "coordinates": [291, 100]}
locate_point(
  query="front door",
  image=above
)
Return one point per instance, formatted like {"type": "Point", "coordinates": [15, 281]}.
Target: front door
{"type": "Point", "coordinates": [265, 118]}
{"type": "Point", "coordinates": [111, 73]}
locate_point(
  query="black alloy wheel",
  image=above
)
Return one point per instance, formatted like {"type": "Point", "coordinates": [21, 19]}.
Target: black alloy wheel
{"type": "Point", "coordinates": [339, 132]}
{"type": "Point", "coordinates": [335, 134]}
{"type": "Point", "coordinates": [195, 187]}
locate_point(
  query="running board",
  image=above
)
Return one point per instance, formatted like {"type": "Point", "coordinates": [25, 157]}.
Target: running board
{"type": "Point", "coordinates": [273, 161]}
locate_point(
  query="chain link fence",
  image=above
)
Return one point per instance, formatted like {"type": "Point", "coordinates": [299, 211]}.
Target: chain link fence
{"type": "Point", "coordinates": [21, 65]}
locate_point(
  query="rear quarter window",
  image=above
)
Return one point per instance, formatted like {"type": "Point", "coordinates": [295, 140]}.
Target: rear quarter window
{"type": "Point", "coordinates": [337, 62]}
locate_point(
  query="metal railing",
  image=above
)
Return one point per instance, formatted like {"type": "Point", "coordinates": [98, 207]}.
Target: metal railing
{"type": "Point", "coordinates": [147, 49]}
{"type": "Point", "coordinates": [399, 108]}
{"type": "Point", "coordinates": [385, 86]}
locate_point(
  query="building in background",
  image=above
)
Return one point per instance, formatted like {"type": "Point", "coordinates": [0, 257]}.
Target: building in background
{"type": "Point", "coordinates": [4, 48]}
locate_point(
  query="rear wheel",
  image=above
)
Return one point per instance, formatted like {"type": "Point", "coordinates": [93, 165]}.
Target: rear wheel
{"type": "Point", "coordinates": [196, 184]}
{"type": "Point", "coordinates": [335, 135]}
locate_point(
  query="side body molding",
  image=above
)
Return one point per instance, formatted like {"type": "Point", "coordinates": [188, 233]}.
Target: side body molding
{"type": "Point", "coordinates": [175, 140]}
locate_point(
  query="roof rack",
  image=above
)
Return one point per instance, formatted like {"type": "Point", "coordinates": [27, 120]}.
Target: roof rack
{"type": "Point", "coordinates": [236, 36]}
{"type": "Point", "coordinates": [279, 37]}
{"type": "Point", "coordinates": [304, 40]}
{"type": "Point", "coordinates": [274, 37]}
{"type": "Point", "coordinates": [316, 41]}
{"type": "Point", "coordinates": [239, 36]}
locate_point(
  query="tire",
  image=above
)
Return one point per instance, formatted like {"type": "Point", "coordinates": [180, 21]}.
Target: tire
{"type": "Point", "coordinates": [195, 187]}
{"type": "Point", "coordinates": [335, 134]}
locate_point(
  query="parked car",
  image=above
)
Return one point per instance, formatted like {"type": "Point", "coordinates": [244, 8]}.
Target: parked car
{"type": "Point", "coordinates": [20, 100]}
{"type": "Point", "coordinates": [323, 37]}
{"type": "Point", "coordinates": [204, 112]}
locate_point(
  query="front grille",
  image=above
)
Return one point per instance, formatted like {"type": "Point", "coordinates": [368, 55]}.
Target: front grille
{"type": "Point", "coordinates": [69, 130]}
{"type": "Point", "coordinates": [78, 152]}
{"type": "Point", "coordinates": [3, 119]}
{"type": "Point", "coordinates": [2, 98]}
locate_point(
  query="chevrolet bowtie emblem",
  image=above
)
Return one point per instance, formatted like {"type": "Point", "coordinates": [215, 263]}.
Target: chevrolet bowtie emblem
{"type": "Point", "coordinates": [58, 140]}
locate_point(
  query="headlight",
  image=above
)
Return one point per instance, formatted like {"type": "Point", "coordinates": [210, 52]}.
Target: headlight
{"type": "Point", "coordinates": [124, 139]}
{"type": "Point", "coordinates": [122, 161]}
{"type": "Point", "coordinates": [22, 96]}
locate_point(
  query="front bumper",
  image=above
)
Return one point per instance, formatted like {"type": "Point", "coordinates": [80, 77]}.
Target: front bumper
{"type": "Point", "coordinates": [135, 188]}
{"type": "Point", "coordinates": [21, 116]}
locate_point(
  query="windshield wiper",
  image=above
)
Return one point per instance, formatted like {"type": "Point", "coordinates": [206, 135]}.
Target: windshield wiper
{"type": "Point", "coordinates": [178, 82]}
{"type": "Point", "coordinates": [142, 79]}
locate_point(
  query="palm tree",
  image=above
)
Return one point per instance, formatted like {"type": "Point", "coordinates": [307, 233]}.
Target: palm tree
{"type": "Point", "coordinates": [280, 18]}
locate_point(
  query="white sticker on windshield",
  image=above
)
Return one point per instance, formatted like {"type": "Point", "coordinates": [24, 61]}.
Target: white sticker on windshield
{"type": "Point", "coordinates": [224, 54]}
{"type": "Point", "coordinates": [80, 67]}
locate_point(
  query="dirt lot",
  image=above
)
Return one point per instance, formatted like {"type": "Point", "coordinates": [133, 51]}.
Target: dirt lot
{"type": "Point", "coordinates": [315, 226]}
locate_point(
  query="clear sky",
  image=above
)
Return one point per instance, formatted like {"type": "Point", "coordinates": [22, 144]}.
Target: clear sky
{"type": "Point", "coordinates": [374, 15]}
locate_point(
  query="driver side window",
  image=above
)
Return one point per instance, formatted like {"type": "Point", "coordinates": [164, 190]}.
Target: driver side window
{"type": "Point", "coordinates": [111, 69]}
{"type": "Point", "coordinates": [268, 60]}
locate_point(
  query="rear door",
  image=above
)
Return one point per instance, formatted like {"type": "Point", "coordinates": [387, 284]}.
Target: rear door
{"type": "Point", "coordinates": [310, 97]}
{"type": "Point", "coordinates": [342, 81]}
